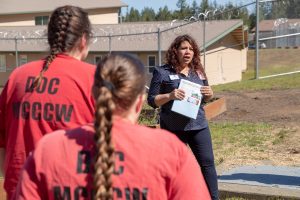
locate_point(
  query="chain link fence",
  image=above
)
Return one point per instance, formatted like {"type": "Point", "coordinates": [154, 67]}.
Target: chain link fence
{"type": "Point", "coordinates": [279, 40]}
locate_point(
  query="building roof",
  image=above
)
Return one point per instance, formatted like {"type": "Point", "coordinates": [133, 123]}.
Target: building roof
{"type": "Point", "coordinates": [41, 6]}
{"type": "Point", "coordinates": [270, 25]}
{"type": "Point", "coordinates": [131, 37]}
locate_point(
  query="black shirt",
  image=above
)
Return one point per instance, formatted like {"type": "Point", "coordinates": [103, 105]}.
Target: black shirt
{"type": "Point", "coordinates": [162, 83]}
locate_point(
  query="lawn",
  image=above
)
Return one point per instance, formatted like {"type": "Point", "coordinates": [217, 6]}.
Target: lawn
{"type": "Point", "coordinates": [279, 82]}
{"type": "Point", "coordinates": [273, 61]}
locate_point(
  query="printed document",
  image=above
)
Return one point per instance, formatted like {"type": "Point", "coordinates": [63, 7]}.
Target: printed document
{"type": "Point", "coordinates": [189, 106]}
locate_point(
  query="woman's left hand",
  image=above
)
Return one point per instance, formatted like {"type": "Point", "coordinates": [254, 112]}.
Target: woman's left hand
{"type": "Point", "coordinates": [206, 92]}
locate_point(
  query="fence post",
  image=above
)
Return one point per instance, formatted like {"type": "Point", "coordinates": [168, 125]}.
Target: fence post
{"type": "Point", "coordinates": [204, 46]}
{"type": "Point", "coordinates": [257, 40]}
{"type": "Point", "coordinates": [16, 49]}
{"type": "Point", "coordinates": [159, 47]}
{"type": "Point", "coordinates": [109, 40]}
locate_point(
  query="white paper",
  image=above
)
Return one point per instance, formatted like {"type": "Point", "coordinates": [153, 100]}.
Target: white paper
{"type": "Point", "coordinates": [189, 106]}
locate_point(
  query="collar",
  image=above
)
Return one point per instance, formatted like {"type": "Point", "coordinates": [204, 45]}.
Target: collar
{"type": "Point", "coordinates": [168, 67]}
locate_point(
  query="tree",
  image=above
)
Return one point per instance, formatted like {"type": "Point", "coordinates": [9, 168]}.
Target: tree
{"type": "Point", "coordinates": [181, 4]}
{"type": "Point", "coordinates": [163, 14]}
{"type": "Point", "coordinates": [252, 21]}
{"type": "Point", "coordinates": [147, 14]}
{"type": "Point", "coordinates": [279, 9]}
{"type": "Point", "coordinates": [215, 4]}
{"type": "Point", "coordinates": [195, 9]}
{"type": "Point", "coordinates": [293, 9]}
{"type": "Point", "coordinates": [183, 11]}
{"type": "Point", "coordinates": [204, 6]}
{"type": "Point", "coordinates": [133, 15]}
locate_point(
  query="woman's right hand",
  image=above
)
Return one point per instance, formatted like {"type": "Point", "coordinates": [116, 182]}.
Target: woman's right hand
{"type": "Point", "coordinates": [177, 94]}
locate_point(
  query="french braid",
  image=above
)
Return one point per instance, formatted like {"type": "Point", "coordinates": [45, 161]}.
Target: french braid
{"type": "Point", "coordinates": [66, 26]}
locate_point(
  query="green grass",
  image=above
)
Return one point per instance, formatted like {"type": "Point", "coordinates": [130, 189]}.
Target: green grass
{"type": "Point", "coordinates": [230, 138]}
{"type": "Point", "coordinates": [148, 116]}
{"type": "Point", "coordinates": [250, 74]}
{"type": "Point", "coordinates": [272, 61]}
{"type": "Point", "coordinates": [242, 134]}
{"type": "Point", "coordinates": [280, 82]}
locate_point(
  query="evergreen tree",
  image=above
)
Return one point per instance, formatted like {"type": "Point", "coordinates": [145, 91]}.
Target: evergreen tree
{"type": "Point", "coordinates": [181, 4]}
{"type": "Point", "coordinates": [195, 9]}
{"type": "Point", "coordinates": [133, 15]}
{"type": "Point", "coordinates": [293, 9]}
{"type": "Point", "coordinates": [163, 14]}
{"type": "Point", "coordinates": [148, 14]}
{"type": "Point", "coordinates": [215, 5]}
{"type": "Point", "coordinates": [244, 15]}
{"type": "Point", "coordinates": [183, 11]}
{"type": "Point", "coordinates": [204, 6]}
{"type": "Point", "coordinates": [252, 21]}
{"type": "Point", "coordinates": [279, 9]}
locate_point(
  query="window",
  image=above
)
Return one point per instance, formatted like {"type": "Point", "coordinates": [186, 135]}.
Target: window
{"type": "Point", "coordinates": [2, 63]}
{"type": "Point", "coordinates": [97, 59]}
{"type": "Point", "coordinates": [23, 59]}
{"type": "Point", "coordinates": [151, 62]}
{"type": "Point", "coordinates": [41, 20]}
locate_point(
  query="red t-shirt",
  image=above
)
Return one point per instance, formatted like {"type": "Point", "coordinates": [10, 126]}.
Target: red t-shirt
{"type": "Point", "coordinates": [150, 164]}
{"type": "Point", "coordinates": [63, 100]}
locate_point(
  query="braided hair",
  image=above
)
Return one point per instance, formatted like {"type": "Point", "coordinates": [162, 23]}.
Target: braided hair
{"type": "Point", "coordinates": [66, 26]}
{"type": "Point", "coordinates": [119, 79]}
{"type": "Point", "coordinates": [172, 59]}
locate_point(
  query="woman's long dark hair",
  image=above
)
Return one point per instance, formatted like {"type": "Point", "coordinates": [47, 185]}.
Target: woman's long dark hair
{"type": "Point", "coordinates": [66, 26]}
{"type": "Point", "coordinates": [172, 59]}
{"type": "Point", "coordinates": [119, 79]}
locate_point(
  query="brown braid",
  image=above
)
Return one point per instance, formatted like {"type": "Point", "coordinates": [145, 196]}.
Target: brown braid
{"type": "Point", "coordinates": [104, 162]}
{"type": "Point", "coordinates": [119, 79]}
{"type": "Point", "coordinates": [172, 59]}
{"type": "Point", "coordinates": [66, 26]}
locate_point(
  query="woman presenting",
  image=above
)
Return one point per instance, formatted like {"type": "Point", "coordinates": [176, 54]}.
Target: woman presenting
{"type": "Point", "coordinates": [183, 62]}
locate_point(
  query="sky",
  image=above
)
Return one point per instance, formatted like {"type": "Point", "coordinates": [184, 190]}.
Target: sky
{"type": "Point", "coordinates": [156, 4]}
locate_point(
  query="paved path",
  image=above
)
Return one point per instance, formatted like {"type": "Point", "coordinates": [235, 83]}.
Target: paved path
{"type": "Point", "coordinates": [262, 181]}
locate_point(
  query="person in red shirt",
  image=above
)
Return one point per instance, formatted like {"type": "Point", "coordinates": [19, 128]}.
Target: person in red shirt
{"type": "Point", "coordinates": [45, 95]}
{"type": "Point", "coordinates": [115, 158]}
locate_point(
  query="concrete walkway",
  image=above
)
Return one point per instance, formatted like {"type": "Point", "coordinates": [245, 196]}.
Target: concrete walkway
{"type": "Point", "coordinates": [261, 182]}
